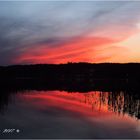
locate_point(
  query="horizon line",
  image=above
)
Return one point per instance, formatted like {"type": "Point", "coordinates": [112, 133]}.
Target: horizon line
{"type": "Point", "coordinates": [69, 63]}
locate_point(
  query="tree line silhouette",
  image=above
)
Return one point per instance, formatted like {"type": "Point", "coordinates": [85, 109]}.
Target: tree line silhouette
{"type": "Point", "coordinates": [77, 70]}
{"type": "Point", "coordinates": [73, 76]}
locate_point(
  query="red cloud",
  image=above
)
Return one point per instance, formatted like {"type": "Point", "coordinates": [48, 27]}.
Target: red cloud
{"type": "Point", "coordinates": [81, 49]}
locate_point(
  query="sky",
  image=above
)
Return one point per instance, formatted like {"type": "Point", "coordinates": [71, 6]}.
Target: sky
{"type": "Point", "coordinates": [69, 31]}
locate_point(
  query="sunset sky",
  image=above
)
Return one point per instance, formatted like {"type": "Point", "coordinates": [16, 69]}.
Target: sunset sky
{"type": "Point", "coordinates": [68, 31]}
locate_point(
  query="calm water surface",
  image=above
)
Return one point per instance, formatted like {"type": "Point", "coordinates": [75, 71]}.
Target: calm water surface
{"type": "Point", "coordinates": [60, 114]}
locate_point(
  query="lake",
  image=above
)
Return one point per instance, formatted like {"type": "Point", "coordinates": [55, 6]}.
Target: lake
{"type": "Point", "coordinates": [63, 114]}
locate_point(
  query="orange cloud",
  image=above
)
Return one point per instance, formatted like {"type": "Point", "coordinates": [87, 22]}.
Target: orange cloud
{"type": "Point", "coordinates": [81, 49]}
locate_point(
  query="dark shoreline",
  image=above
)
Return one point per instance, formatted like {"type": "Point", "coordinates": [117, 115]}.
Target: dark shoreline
{"type": "Point", "coordinates": [75, 70]}
{"type": "Point", "coordinates": [73, 77]}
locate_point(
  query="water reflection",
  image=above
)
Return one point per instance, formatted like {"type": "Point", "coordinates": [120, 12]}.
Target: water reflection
{"type": "Point", "coordinates": [118, 102]}
{"type": "Point", "coordinates": [94, 114]}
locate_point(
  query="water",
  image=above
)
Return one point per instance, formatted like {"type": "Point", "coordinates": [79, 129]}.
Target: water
{"type": "Point", "coordinates": [62, 114]}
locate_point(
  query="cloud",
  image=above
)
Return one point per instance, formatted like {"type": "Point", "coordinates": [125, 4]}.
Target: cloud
{"type": "Point", "coordinates": [80, 49]}
{"type": "Point", "coordinates": [27, 24]}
